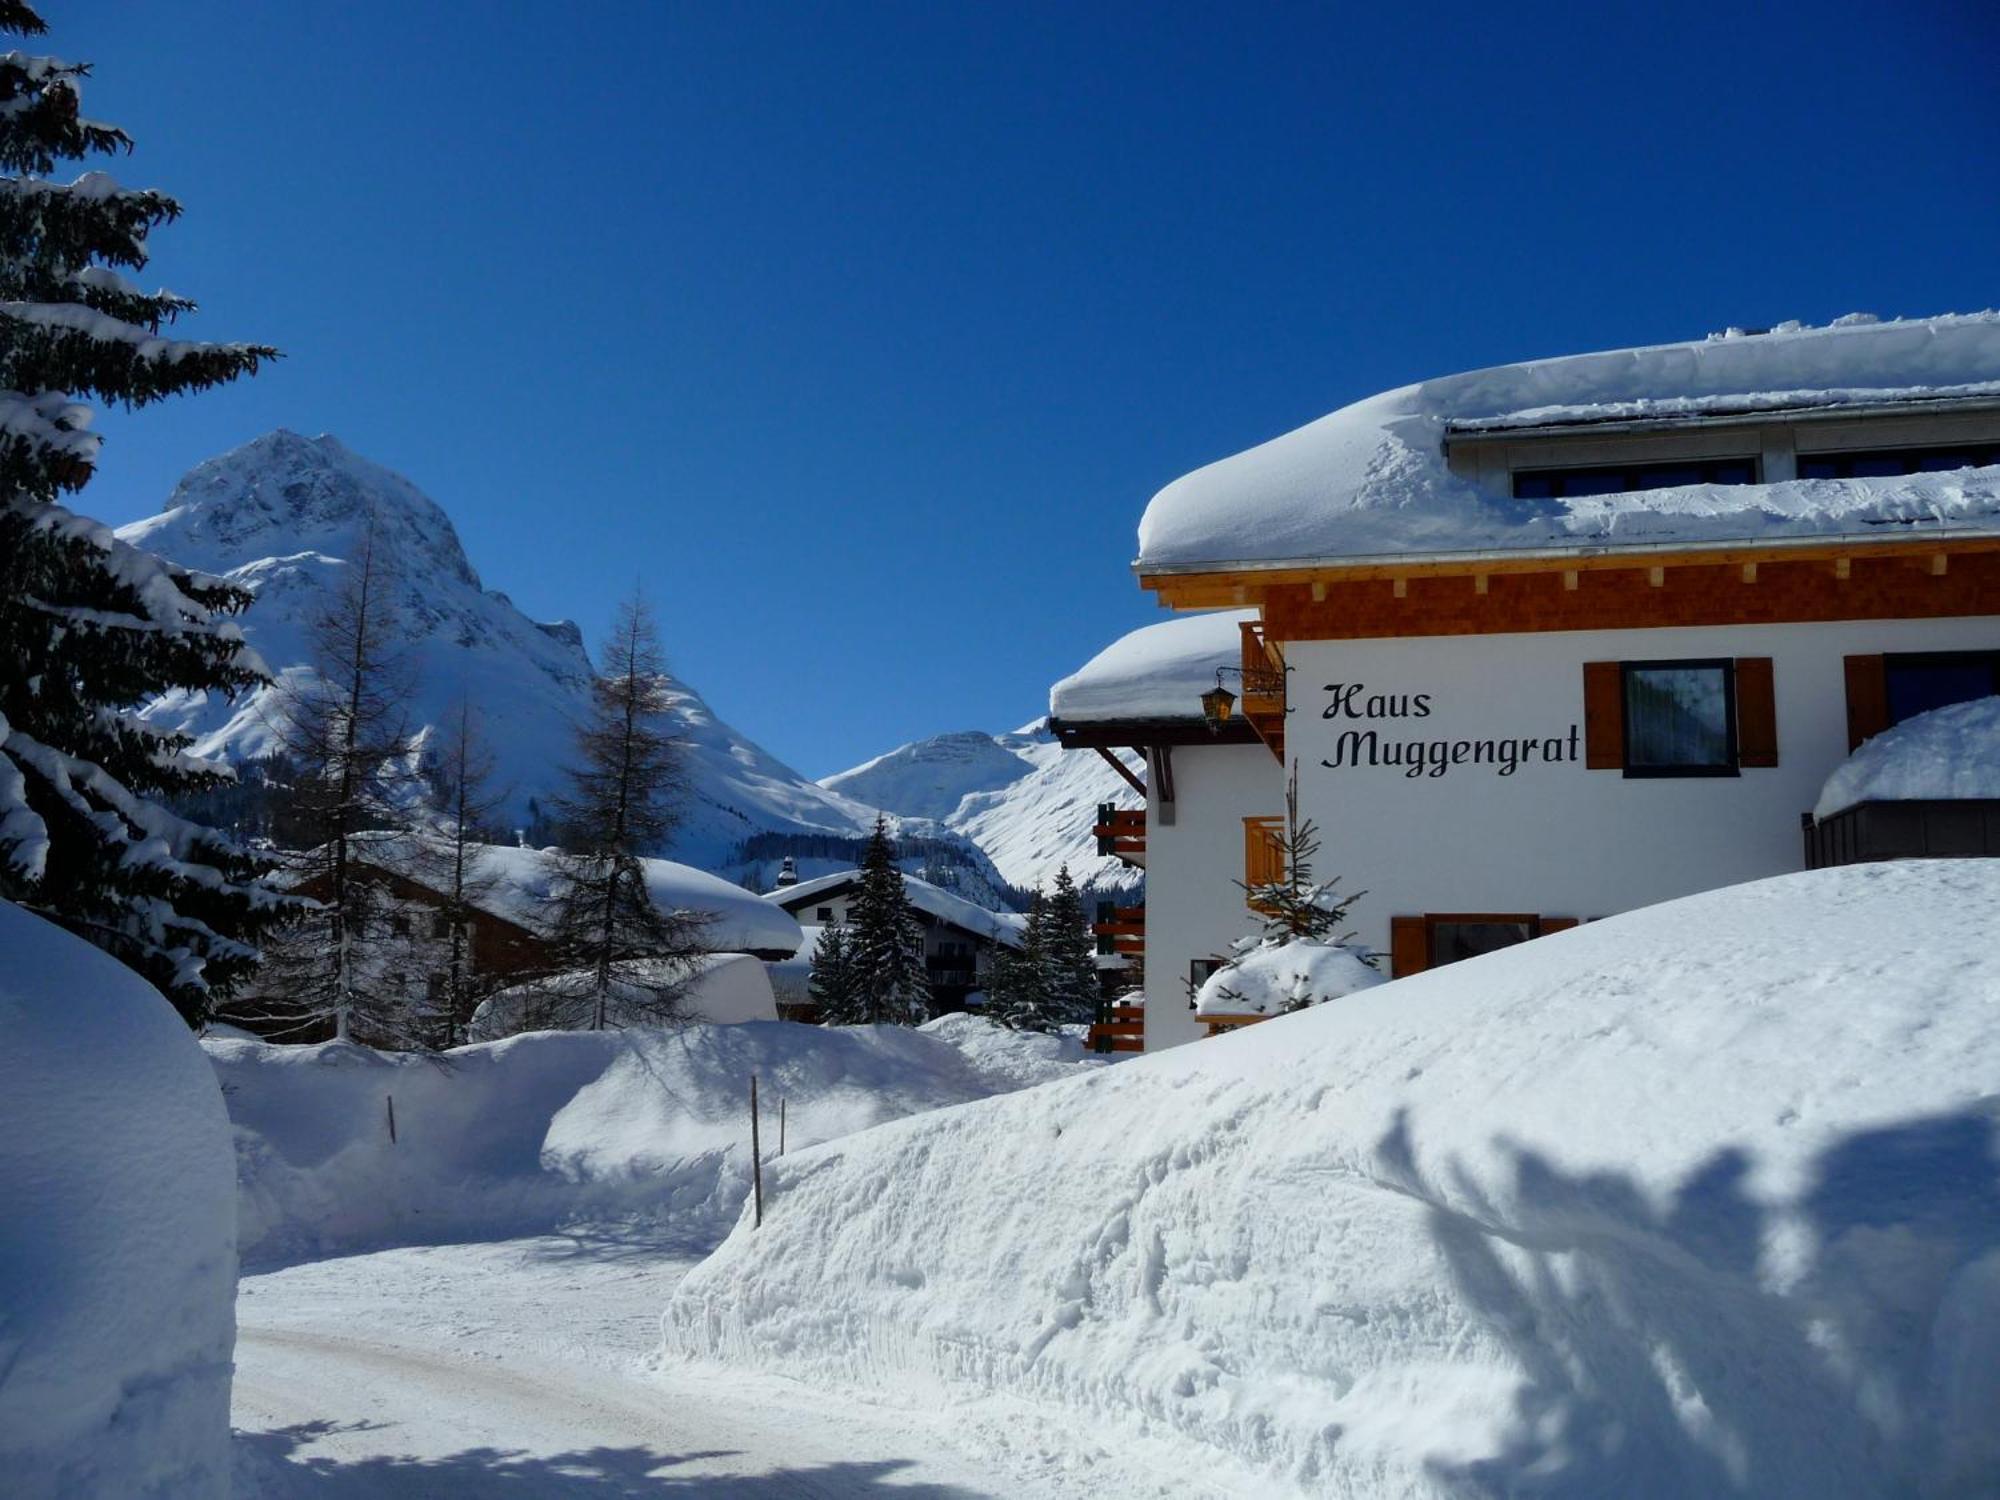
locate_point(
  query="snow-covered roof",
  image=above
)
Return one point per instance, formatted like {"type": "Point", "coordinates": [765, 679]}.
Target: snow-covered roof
{"type": "Point", "coordinates": [1948, 754]}
{"type": "Point", "coordinates": [518, 886]}
{"type": "Point", "coordinates": [1157, 672]}
{"type": "Point", "coordinates": [1370, 482]}
{"type": "Point", "coordinates": [997, 926]}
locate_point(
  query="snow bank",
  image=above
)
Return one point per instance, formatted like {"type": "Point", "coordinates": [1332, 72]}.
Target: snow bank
{"type": "Point", "coordinates": [117, 1255]}
{"type": "Point", "coordinates": [1948, 753]}
{"type": "Point", "coordinates": [1370, 479]}
{"type": "Point", "coordinates": [1273, 978]}
{"type": "Point", "coordinates": [1157, 672]}
{"type": "Point", "coordinates": [1697, 1200]}
{"type": "Point", "coordinates": [1010, 1060]}
{"type": "Point", "coordinates": [524, 1135]}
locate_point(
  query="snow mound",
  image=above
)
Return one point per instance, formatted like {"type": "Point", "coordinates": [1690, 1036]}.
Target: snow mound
{"type": "Point", "coordinates": [1946, 754]}
{"type": "Point", "coordinates": [1370, 480]}
{"type": "Point", "coordinates": [1273, 978]}
{"type": "Point", "coordinates": [117, 1249]}
{"type": "Point", "coordinates": [1697, 1200]}
{"type": "Point", "coordinates": [1157, 672]}
{"type": "Point", "coordinates": [522, 1136]}
{"type": "Point", "coordinates": [1012, 1060]}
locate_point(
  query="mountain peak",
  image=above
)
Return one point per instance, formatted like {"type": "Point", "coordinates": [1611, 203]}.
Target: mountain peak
{"type": "Point", "coordinates": [283, 494]}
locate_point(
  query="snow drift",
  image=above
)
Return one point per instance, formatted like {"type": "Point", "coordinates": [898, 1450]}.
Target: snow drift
{"type": "Point", "coordinates": [1698, 1200]}
{"type": "Point", "coordinates": [117, 1255]}
{"type": "Point", "coordinates": [1946, 754]}
{"type": "Point", "coordinates": [524, 1135]}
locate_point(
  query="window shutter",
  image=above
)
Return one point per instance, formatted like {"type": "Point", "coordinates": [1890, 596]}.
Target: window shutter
{"type": "Point", "coordinates": [1756, 713]}
{"type": "Point", "coordinates": [1557, 924]}
{"type": "Point", "coordinates": [1409, 947]}
{"type": "Point", "coordinates": [1867, 699]}
{"type": "Point", "coordinates": [1603, 716]}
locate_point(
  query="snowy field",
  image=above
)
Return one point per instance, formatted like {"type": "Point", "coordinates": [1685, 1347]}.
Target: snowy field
{"type": "Point", "coordinates": [1696, 1201]}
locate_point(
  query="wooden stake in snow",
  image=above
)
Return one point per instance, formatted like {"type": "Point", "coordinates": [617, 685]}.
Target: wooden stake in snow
{"type": "Point", "coordinates": [756, 1161]}
{"type": "Point", "coordinates": [781, 1125]}
{"type": "Point", "coordinates": [391, 1099]}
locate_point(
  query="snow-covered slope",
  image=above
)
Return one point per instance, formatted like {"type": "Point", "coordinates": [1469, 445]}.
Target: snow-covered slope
{"type": "Point", "coordinates": [1698, 1200]}
{"type": "Point", "coordinates": [285, 515]}
{"type": "Point", "coordinates": [1020, 797]}
{"type": "Point", "coordinates": [117, 1236]}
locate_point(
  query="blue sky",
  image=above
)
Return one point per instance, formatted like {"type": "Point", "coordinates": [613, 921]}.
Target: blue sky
{"type": "Point", "coordinates": [861, 334]}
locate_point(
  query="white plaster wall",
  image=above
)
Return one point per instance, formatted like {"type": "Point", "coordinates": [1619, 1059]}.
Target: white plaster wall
{"type": "Point", "coordinates": [1558, 840]}
{"type": "Point", "coordinates": [1194, 908]}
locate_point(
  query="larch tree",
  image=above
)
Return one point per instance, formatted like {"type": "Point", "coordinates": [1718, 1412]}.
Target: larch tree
{"type": "Point", "coordinates": [93, 627]}
{"type": "Point", "coordinates": [619, 956]}
{"type": "Point", "coordinates": [891, 984]}
{"type": "Point", "coordinates": [449, 860]}
{"type": "Point", "coordinates": [354, 784]}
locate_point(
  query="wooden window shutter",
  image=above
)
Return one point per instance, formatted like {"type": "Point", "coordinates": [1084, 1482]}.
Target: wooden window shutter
{"type": "Point", "coordinates": [1756, 713]}
{"type": "Point", "coordinates": [1557, 924]}
{"type": "Point", "coordinates": [1603, 716]}
{"type": "Point", "coordinates": [1409, 946]}
{"type": "Point", "coordinates": [1867, 699]}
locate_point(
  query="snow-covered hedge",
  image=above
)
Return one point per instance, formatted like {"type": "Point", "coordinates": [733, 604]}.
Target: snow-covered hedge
{"type": "Point", "coordinates": [1269, 979]}
{"type": "Point", "coordinates": [1948, 753]}
{"type": "Point", "coordinates": [1698, 1200]}
{"type": "Point", "coordinates": [117, 1232]}
{"type": "Point", "coordinates": [523, 1135]}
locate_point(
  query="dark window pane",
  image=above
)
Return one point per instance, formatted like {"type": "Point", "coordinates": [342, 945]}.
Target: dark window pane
{"type": "Point", "coordinates": [1676, 717]}
{"type": "Point", "coordinates": [1452, 941]}
{"type": "Point", "coordinates": [1819, 468]}
{"type": "Point", "coordinates": [1877, 465]}
{"type": "Point", "coordinates": [1940, 462]}
{"type": "Point", "coordinates": [1668, 476]}
{"type": "Point", "coordinates": [1594, 482]}
{"type": "Point", "coordinates": [1917, 687]}
{"type": "Point", "coordinates": [1733, 471]}
{"type": "Point", "coordinates": [1534, 487]}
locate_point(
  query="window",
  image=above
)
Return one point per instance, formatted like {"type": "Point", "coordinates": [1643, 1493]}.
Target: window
{"type": "Point", "coordinates": [1876, 462]}
{"type": "Point", "coordinates": [1624, 479]}
{"type": "Point", "coordinates": [440, 924]}
{"type": "Point", "coordinates": [1917, 683]}
{"type": "Point", "coordinates": [823, 915]}
{"type": "Point", "coordinates": [1198, 971]}
{"type": "Point", "coordinates": [399, 924]}
{"type": "Point", "coordinates": [1420, 943]}
{"type": "Point", "coordinates": [1680, 718]}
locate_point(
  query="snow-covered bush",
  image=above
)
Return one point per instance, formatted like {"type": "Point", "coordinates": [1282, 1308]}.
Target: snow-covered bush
{"type": "Point", "coordinates": [1271, 979]}
{"type": "Point", "coordinates": [1948, 753]}
{"type": "Point", "coordinates": [117, 1232]}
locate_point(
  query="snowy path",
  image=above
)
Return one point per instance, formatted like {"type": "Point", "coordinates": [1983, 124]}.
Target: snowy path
{"type": "Point", "coordinates": [521, 1368]}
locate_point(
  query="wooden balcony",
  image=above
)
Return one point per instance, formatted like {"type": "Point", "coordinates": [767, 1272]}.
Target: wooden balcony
{"type": "Point", "coordinates": [1120, 930]}
{"type": "Point", "coordinates": [1118, 1028]}
{"type": "Point", "coordinates": [1121, 832]}
{"type": "Point", "coordinates": [1264, 686]}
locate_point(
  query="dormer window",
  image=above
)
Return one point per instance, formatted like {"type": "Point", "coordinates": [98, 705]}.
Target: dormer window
{"type": "Point", "coordinates": [1872, 463]}
{"type": "Point", "coordinates": [1625, 479]}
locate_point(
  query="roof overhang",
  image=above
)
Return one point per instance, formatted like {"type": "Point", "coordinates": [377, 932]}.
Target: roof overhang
{"type": "Point", "coordinates": [1138, 734]}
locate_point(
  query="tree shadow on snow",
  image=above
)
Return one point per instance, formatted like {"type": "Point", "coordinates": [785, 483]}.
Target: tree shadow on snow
{"type": "Point", "coordinates": [1652, 1349]}
{"type": "Point", "coordinates": [270, 1466]}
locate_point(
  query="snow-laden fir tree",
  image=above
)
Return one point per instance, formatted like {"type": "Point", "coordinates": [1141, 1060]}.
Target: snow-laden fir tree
{"type": "Point", "coordinates": [93, 627]}
{"type": "Point", "coordinates": [1072, 955]}
{"type": "Point", "coordinates": [619, 957]}
{"type": "Point", "coordinates": [1295, 909]}
{"type": "Point", "coordinates": [1019, 985]}
{"type": "Point", "coordinates": [831, 982]}
{"type": "Point", "coordinates": [344, 967]}
{"type": "Point", "coordinates": [891, 984]}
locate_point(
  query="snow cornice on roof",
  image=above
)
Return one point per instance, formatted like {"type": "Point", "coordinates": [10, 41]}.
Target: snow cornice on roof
{"type": "Point", "coordinates": [1369, 484]}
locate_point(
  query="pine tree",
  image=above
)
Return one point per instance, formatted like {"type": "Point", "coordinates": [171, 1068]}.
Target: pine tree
{"type": "Point", "coordinates": [92, 626]}
{"type": "Point", "coordinates": [619, 957]}
{"type": "Point", "coordinates": [831, 983]}
{"type": "Point", "coordinates": [1072, 955]}
{"type": "Point", "coordinates": [1018, 991]}
{"type": "Point", "coordinates": [352, 760]}
{"type": "Point", "coordinates": [891, 983]}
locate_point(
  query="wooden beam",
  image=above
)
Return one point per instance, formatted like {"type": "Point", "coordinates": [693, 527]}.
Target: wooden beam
{"type": "Point", "coordinates": [1111, 759]}
{"type": "Point", "coordinates": [1749, 572]}
{"type": "Point", "coordinates": [1843, 567]}
{"type": "Point", "coordinates": [1570, 576]}
{"type": "Point", "coordinates": [1319, 591]}
{"type": "Point", "coordinates": [1401, 588]}
{"type": "Point", "coordinates": [1939, 562]}
{"type": "Point", "coordinates": [1657, 577]}
{"type": "Point", "coordinates": [1161, 760]}
{"type": "Point", "coordinates": [1478, 583]}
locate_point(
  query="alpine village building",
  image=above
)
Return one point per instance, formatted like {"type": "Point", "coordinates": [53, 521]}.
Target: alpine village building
{"type": "Point", "coordinates": [1552, 641]}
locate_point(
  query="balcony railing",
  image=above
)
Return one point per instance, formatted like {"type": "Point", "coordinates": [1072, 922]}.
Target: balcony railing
{"type": "Point", "coordinates": [1263, 664]}
{"type": "Point", "coordinates": [1121, 832]}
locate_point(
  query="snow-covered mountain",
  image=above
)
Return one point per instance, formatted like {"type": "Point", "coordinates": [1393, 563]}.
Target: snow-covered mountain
{"type": "Point", "coordinates": [284, 515]}
{"type": "Point", "coordinates": [1028, 803]}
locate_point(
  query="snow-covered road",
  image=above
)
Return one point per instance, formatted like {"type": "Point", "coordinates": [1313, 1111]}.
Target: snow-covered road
{"type": "Point", "coordinates": [525, 1368]}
